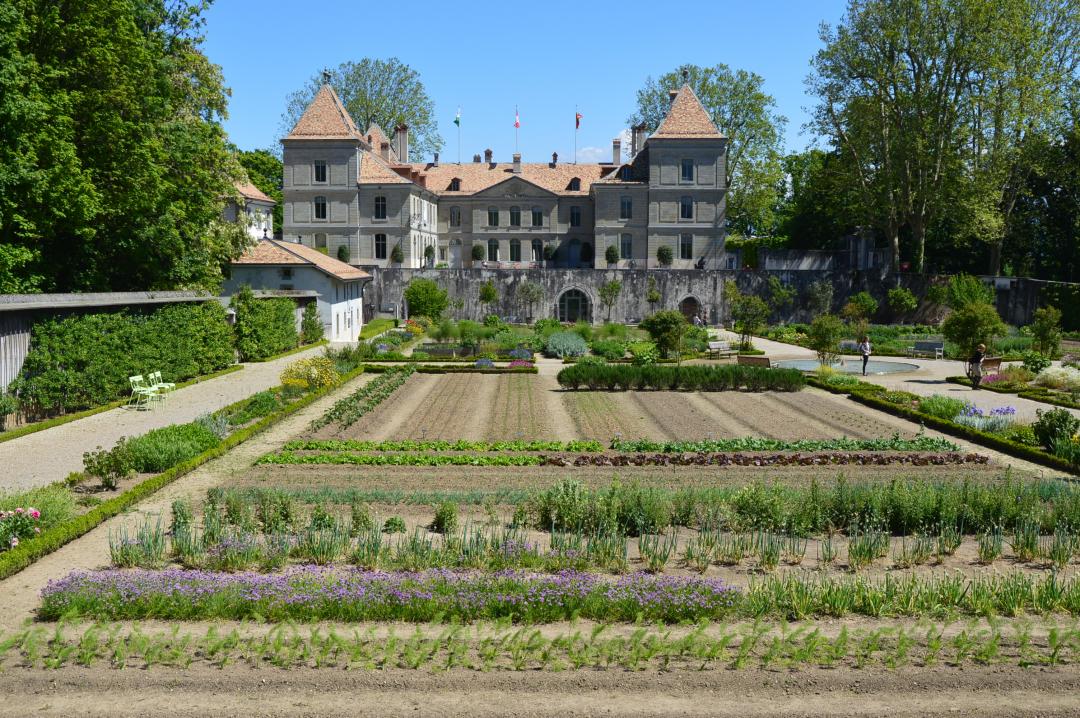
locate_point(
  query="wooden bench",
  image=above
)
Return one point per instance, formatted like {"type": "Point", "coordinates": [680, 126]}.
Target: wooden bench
{"type": "Point", "coordinates": [931, 349]}
{"type": "Point", "coordinates": [721, 348]}
{"type": "Point", "coordinates": [745, 360]}
{"type": "Point", "coordinates": [991, 365]}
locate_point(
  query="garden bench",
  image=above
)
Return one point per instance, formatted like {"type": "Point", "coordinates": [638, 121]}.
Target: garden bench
{"type": "Point", "coordinates": [991, 365]}
{"type": "Point", "coordinates": [718, 349]}
{"type": "Point", "coordinates": [849, 346]}
{"type": "Point", "coordinates": [745, 360]}
{"type": "Point", "coordinates": [931, 349]}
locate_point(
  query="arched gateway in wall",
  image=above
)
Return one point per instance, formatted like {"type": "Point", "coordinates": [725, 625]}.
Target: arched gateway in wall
{"type": "Point", "coordinates": [690, 307]}
{"type": "Point", "coordinates": [574, 305]}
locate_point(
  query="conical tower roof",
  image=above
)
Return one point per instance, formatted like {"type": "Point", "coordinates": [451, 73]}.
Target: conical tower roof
{"type": "Point", "coordinates": [686, 119]}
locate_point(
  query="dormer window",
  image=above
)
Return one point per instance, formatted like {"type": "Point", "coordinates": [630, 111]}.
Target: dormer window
{"type": "Point", "coordinates": [575, 185]}
{"type": "Point", "coordinates": [455, 185]}
{"type": "Point", "coordinates": [625, 173]}
{"type": "Point", "coordinates": [320, 172]}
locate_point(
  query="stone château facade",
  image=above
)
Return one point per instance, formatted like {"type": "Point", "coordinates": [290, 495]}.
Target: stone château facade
{"type": "Point", "coordinates": [357, 190]}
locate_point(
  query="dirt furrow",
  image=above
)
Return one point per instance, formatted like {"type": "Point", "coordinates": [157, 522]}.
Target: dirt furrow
{"type": "Point", "coordinates": [386, 421]}
{"type": "Point", "coordinates": [720, 422]}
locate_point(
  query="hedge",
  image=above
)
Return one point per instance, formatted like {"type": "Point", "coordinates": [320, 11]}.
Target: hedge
{"type": "Point", "coordinates": [263, 327]}
{"type": "Point", "coordinates": [84, 361]}
{"type": "Point", "coordinates": [1033, 393]}
{"type": "Point", "coordinates": [18, 558]}
{"type": "Point", "coordinates": [695, 377]}
{"type": "Point", "coordinates": [436, 369]}
{"type": "Point", "coordinates": [990, 441]}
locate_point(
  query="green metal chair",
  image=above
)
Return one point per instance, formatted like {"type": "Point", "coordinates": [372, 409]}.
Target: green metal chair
{"type": "Point", "coordinates": [141, 393]}
{"type": "Point", "coordinates": [161, 387]}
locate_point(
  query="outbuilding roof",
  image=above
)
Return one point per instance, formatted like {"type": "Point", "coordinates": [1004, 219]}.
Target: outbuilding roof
{"type": "Point", "coordinates": [273, 252]}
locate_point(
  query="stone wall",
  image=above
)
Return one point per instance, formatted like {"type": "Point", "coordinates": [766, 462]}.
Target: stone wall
{"type": "Point", "coordinates": [1017, 298]}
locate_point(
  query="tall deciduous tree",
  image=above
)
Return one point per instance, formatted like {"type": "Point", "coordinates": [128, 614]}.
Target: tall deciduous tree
{"type": "Point", "coordinates": [741, 109]}
{"type": "Point", "coordinates": [265, 171]}
{"type": "Point", "coordinates": [113, 161]}
{"type": "Point", "coordinates": [384, 92]}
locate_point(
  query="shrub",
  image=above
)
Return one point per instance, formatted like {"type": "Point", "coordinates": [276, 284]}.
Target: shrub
{"type": "Point", "coordinates": [56, 505]}
{"type": "Point", "coordinates": [902, 302]}
{"type": "Point", "coordinates": [488, 294]}
{"type": "Point", "coordinates": [8, 405]}
{"type": "Point", "coordinates": [974, 324]}
{"type": "Point", "coordinates": [160, 449]}
{"type": "Point", "coordinates": [643, 353]}
{"type": "Point", "coordinates": [749, 314]}
{"type": "Point", "coordinates": [824, 337]}
{"type": "Point", "coordinates": [311, 328]}
{"type": "Point", "coordinates": [310, 374]}
{"type": "Point", "coordinates": [667, 329]}
{"type": "Point", "coordinates": [110, 465]}
{"type": "Point", "coordinates": [1062, 378]}
{"type": "Point", "coordinates": [664, 255]}
{"type": "Point", "coordinates": [1035, 362]}
{"type": "Point", "coordinates": [865, 303]}
{"type": "Point", "coordinates": [343, 253]}
{"type": "Point", "coordinates": [85, 360]}
{"type": "Point", "coordinates": [819, 297]}
{"type": "Point", "coordinates": [394, 525]}
{"type": "Point", "coordinates": [446, 518]}
{"type": "Point", "coordinates": [424, 298]}
{"type": "Point", "coordinates": [1055, 425]}
{"type": "Point", "coordinates": [611, 254]}
{"type": "Point", "coordinates": [397, 255]}
{"type": "Point", "coordinates": [610, 349]}
{"type": "Point", "coordinates": [943, 407]}
{"type": "Point", "coordinates": [565, 344]}
{"type": "Point", "coordinates": [362, 520]}
{"type": "Point", "coordinates": [965, 290]}
{"type": "Point", "coordinates": [263, 327]}
{"type": "Point", "coordinates": [478, 252]}
{"type": "Point", "coordinates": [1046, 330]}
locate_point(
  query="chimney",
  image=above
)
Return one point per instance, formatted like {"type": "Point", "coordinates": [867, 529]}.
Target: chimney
{"type": "Point", "coordinates": [487, 156]}
{"type": "Point", "coordinates": [517, 163]}
{"type": "Point", "coordinates": [402, 149]}
{"type": "Point", "coordinates": [616, 151]}
{"type": "Point", "coordinates": [672, 94]}
{"type": "Point", "coordinates": [554, 158]}
{"type": "Point", "coordinates": [637, 139]}
{"type": "Point", "coordinates": [476, 158]}
{"type": "Point", "coordinates": [435, 162]}
{"type": "Point", "coordinates": [384, 151]}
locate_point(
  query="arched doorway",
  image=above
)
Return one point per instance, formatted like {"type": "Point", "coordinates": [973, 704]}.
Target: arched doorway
{"type": "Point", "coordinates": [690, 307]}
{"type": "Point", "coordinates": [574, 306]}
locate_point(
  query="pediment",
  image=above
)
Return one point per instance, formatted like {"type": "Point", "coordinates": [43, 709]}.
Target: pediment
{"type": "Point", "coordinates": [514, 187]}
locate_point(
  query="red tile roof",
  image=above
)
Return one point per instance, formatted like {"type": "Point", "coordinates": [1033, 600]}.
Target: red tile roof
{"type": "Point", "coordinates": [275, 252]}
{"type": "Point", "coordinates": [375, 137]}
{"type": "Point", "coordinates": [686, 119]}
{"type": "Point", "coordinates": [479, 176]}
{"type": "Point", "coordinates": [250, 191]}
{"type": "Point", "coordinates": [325, 119]}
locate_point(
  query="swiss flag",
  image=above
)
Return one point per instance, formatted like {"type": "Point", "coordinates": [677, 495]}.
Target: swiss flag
{"type": "Point", "coordinates": [517, 120]}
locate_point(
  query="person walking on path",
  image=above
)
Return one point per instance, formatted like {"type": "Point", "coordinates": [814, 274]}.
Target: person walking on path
{"type": "Point", "coordinates": [864, 349]}
{"type": "Point", "coordinates": [974, 368]}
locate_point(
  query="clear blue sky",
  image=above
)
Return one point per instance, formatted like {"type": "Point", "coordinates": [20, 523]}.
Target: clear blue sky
{"type": "Point", "coordinates": [486, 57]}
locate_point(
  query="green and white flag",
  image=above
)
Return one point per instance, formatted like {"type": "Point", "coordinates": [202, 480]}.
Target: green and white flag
{"type": "Point", "coordinates": [457, 118]}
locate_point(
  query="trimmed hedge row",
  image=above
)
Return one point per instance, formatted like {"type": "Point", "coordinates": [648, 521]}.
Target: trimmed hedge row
{"type": "Point", "coordinates": [436, 369]}
{"type": "Point", "coordinates": [1032, 393]}
{"type": "Point", "coordinates": [18, 558]}
{"type": "Point", "coordinates": [726, 377]}
{"type": "Point", "coordinates": [264, 327]}
{"type": "Point", "coordinates": [991, 441]}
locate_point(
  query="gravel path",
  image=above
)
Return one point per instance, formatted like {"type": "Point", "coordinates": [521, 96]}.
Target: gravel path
{"type": "Point", "coordinates": [47, 456]}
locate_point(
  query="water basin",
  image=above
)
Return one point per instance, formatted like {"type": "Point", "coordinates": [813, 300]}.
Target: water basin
{"type": "Point", "coordinates": [852, 365]}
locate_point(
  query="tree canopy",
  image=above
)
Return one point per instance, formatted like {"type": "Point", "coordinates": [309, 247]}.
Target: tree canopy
{"type": "Point", "coordinates": [384, 92]}
{"type": "Point", "coordinates": [265, 171]}
{"type": "Point", "coordinates": [741, 109]}
{"type": "Point", "coordinates": [113, 162]}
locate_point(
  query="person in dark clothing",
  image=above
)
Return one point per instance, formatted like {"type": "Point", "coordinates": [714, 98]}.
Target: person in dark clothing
{"type": "Point", "coordinates": [974, 370]}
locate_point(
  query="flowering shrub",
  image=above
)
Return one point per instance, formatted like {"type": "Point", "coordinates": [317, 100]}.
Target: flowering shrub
{"type": "Point", "coordinates": [484, 363]}
{"type": "Point", "coordinates": [413, 327]}
{"type": "Point", "coordinates": [1061, 377]}
{"type": "Point", "coordinates": [310, 374]}
{"type": "Point", "coordinates": [1071, 360]}
{"type": "Point", "coordinates": [521, 363]}
{"type": "Point", "coordinates": [382, 347]}
{"type": "Point", "coordinates": [18, 524]}
{"type": "Point", "coordinates": [520, 353]}
{"type": "Point", "coordinates": [994, 421]}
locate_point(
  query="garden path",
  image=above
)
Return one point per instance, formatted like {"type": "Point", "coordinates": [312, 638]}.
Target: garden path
{"type": "Point", "coordinates": [46, 456]}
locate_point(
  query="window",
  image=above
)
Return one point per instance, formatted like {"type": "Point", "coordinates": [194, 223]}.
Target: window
{"type": "Point", "coordinates": [626, 173]}
{"type": "Point", "coordinates": [455, 216]}
{"type": "Point", "coordinates": [575, 216]}
{"type": "Point", "coordinates": [493, 250]}
{"type": "Point", "coordinates": [586, 253]}
{"type": "Point", "coordinates": [320, 241]}
{"type": "Point", "coordinates": [686, 208]}
{"type": "Point", "coordinates": [626, 246]}
{"type": "Point", "coordinates": [493, 217]}
{"type": "Point", "coordinates": [286, 273]}
{"type": "Point", "coordinates": [455, 184]}
{"type": "Point", "coordinates": [686, 246]}
{"type": "Point", "coordinates": [626, 207]}
{"type": "Point", "coordinates": [537, 217]}
{"type": "Point", "coordinates": [320, 208]}
{"type": "Point", "coordinates": [515, 250]}
{"type": "Point", "coordinates": [320, 171]}
{"type": "Point", "coordinates": [380, 246]}
{"type": "Point", "coordinates": [687, 171]}
{"type": "Point", "coordinates": [380, 207]}
{"type": "Point", "coordinates": [515, 216]}
{"type": "Point", "coordinates": [537, 250]}
{"type": "Point", "coordinates": [575, 185]}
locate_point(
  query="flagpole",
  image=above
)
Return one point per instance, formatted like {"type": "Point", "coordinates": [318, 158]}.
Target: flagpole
{"type": "Point", "coordinates": [517, 127]}
{"type": "Point", "coordinates": [575, 133]}
{"type": "Point", "coordinates": [458, 123]}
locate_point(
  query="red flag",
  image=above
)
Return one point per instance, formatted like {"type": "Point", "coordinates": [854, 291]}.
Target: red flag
{"type": "Point", "coordinates": [577, 121]}
{"type": "Point", "coordinates": [517, 120]}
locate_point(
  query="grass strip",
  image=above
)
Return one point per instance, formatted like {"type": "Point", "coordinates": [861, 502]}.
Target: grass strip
{"type": "Point", "coordinates": [376, 327]}
{"type": "Point", "coordinates": [1011, 448]}
{"type": "Point", "coordinates": [67, 418]}
{"type": "Point", "coordinates": [31, 550]}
